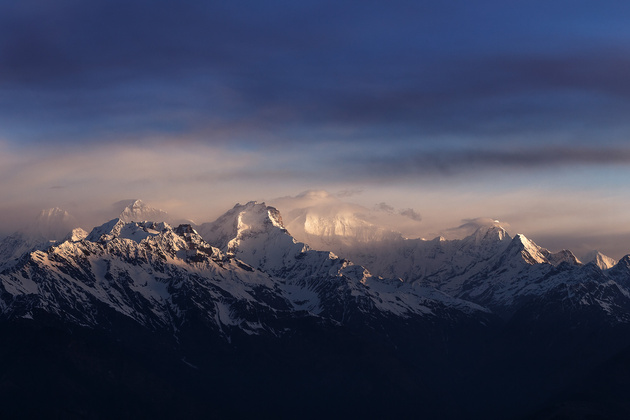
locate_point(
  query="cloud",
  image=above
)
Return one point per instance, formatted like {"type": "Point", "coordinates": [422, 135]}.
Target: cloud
{"type": "Point", "coordinates": [411, 213]}
{"type": "Point", "coordinates": [308, 198]}
{"type": "Point", "coordinates": [470, 226]}
{"type": "Point", "coordinates": [381, 218]}
{"type": "Point", "coordinates": [348, 193]}
{"type": "Point", "coordinates": [408, 212]}
{"type": "Point", "coordinates": [454, 162]}
{"type": "Point", "coordinates": [282, 73]}
{"type": "Point", "coordinates": [384, 207]}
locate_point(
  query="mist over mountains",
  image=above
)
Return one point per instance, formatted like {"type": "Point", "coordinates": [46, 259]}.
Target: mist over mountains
{"type": "Point", "coordinates": [246, 318]}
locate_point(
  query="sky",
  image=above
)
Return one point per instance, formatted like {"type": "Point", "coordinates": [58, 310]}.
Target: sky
{"type": "Point", "coordinates": [456, 110]}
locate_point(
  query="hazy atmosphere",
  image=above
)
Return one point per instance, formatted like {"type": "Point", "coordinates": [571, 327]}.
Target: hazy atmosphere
{"type": "Point", "coordinates": [427, 115]}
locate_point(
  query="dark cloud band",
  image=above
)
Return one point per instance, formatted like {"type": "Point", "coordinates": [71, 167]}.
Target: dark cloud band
{"type": "Point", "coordinates": [454, 162]}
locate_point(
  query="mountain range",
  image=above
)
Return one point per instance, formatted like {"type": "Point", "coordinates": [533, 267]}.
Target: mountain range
{"type": "Point", "coordinates": [237, 317]}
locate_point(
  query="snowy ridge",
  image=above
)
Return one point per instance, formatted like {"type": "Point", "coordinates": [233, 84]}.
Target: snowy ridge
{"type": "Point", "coordinates": [245, 271]}
{"type": "Point", "coordinates": [318, 280]}
{"type": "Point", "coordinates": [159, 276]}
{"type": "Point", "coordinates": [146, 271]}
{"type": "Point", "coordinates": [488, 268]}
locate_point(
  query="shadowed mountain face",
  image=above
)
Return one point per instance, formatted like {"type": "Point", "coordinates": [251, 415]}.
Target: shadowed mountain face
{"type": "Point", "coordinates": [238, 318]}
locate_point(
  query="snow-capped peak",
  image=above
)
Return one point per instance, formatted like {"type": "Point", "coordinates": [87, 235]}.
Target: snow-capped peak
{"type": "Point", "coordinates": [243, 220]}
{"type": "Point", "coordinates": [488, 235]}
{"type": "Point", "coordinates": [138, 211]}
{"type": "Point", "coordinates": [602, 261]}
{"type": "Point", "coordinates": [255, 234]}
{"type": "Point", "coordinates": [117, 228]}
{"type": "Point", "coordinates": [51, 224]}
{"type": "Point", "coordinates": [258, 215]}
{"type": "Point", "coordinates": [563, 256]}
{"type": "Point", "coordinates": [52, 214]}
{"type": "Point", "coordinates": [76, 235]}
{"type": "Point", "coordinates": [110, 228]}
{"type": "Point", "coordinates": [531, 253]}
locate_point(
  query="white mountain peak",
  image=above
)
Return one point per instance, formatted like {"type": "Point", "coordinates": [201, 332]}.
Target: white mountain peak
{"type": "Point", "coordinates": [118, 228]}
{"type": "Point", "coordinates": [54, 213]}
{"type": "Point", "coordinates": [76, 235]}
{"type": "Point", "coordinates": [51, 224]}
{"type": "Point", "coordinates": [233, 231]}
{"type": "Point", "coordinates": [602, 261]}
{"type": "Point", "coordinates": [489, 234]}
{"type": "Point", "coordinates": [105, 231]}
{"type": "Point", "coordinates": [138, 211]}
{"type": "Point", "coordinates": [531, 253]}
{"type": "Point", "coordinates": [254, 233]}
{"type": "Point", "coordinates": [563, 256]}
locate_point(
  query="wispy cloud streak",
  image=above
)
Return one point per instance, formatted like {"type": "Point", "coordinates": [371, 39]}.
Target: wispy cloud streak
{"type": "Point", "coordinates": [457, 162]}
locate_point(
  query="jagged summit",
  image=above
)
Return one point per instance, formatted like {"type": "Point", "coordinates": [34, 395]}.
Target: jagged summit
{"type": "Point", "coordinates": [530, 252]}
{"type": "Point", "coordinates": [117, 228]}
{"type": "Point", "coordinates": [111, 228]}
